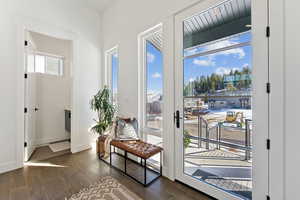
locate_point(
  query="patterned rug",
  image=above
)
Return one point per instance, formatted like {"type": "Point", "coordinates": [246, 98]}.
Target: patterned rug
{"type": "Point", "coordinates": [107, 188]}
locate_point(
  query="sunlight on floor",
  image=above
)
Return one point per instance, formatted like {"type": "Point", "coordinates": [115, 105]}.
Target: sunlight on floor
{"type": "Point", "coordinates": [42, 164]}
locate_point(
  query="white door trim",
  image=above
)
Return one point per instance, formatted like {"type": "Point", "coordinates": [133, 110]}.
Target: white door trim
{"type": "Point", "coordinates": [277, 100]}
{"type": "Point", "coordinates": [28, 24]}
{"type": "Point", "coordinates": [260, 99]}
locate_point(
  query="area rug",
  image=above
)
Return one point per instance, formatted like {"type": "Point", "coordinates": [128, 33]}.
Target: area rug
{"type": "Point", "coordinates": [60, 146]}
{"type": "Point", "coordinates": [107, 188]}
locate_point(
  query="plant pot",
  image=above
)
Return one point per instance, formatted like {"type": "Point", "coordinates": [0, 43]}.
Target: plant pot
{"type": "Point", "coordinates": [100, 146]}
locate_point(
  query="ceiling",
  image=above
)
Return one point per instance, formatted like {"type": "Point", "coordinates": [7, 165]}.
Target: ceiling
{"type": "Point", "coordinates": [99, 5]}
{"type": "Point", "coordinates": [156, 39]}
{"type": "Point", "coordinates": [227, 18]}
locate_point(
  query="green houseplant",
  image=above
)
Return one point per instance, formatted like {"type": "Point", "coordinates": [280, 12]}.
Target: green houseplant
{"type": "Point", "coordinates": [102, 104]}
{"type": "Point", "coordinates": [186, 139]}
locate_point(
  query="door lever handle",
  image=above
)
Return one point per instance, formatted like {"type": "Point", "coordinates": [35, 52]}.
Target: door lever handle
{"type": "Point", "coordinates": [177, 118]}
{"type": "Point", "coordinates": [36, 109]}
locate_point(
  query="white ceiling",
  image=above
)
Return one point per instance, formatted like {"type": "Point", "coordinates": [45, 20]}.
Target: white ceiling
{"type": "Point", "coordinates": [99, 5]}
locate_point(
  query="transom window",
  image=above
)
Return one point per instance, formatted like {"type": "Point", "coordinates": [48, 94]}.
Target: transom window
{"type": "Point", "coordinates": [45, 64]}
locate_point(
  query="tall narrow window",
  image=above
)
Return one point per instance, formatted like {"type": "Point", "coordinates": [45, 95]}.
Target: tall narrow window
{"type": "Point", "coordinates": [151, 88]}
{"type": "Point", "coordinates": [154, 87]}
{"type": "Point", "coordinates": [151, 85]}
{"type": "Point", "coordinates": [112, 71]}
{"type": "Point", "coordinates": [114, 76]}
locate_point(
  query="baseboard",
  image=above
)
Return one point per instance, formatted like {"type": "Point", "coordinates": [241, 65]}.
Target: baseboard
{"type": "Point", "coordinates": [9, 166]}
{"type": "Point", "coordinates": [81, 148]}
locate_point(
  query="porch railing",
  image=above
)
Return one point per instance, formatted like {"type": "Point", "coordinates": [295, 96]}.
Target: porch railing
{"type": "Point", "coordinates": [204, 136]}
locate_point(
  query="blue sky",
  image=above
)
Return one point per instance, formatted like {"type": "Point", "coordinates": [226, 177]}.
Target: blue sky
{"type": "Point", "coordinates": [154, 69]}
{"type": "Point", "coordinates": [220, 63]}
{"type": "Point", "coordinates": [115, 66]}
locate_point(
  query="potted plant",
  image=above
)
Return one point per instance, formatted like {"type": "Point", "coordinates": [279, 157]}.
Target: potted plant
{"type": "Point", "coordinates": [186, 139]}
{"type": "Point", "coordinates": [102, 104]}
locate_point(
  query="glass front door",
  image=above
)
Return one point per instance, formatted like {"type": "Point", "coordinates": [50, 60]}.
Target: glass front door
{"type": "Point", "coordinates": [214, 94]}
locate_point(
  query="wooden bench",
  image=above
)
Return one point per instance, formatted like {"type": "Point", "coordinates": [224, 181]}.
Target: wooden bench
{"type": "Point", "coordinates": [142, 150]}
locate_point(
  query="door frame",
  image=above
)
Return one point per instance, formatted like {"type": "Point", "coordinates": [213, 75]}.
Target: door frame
{"type": "Point", "coordinates": [260, 43]}
{"type": "Point", "coordinates": [28, 24]}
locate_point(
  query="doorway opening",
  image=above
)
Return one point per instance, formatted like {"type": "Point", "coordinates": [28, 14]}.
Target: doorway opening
{"type": "Point", "coordinates": [214, 92]}
{"type": "Point", "coordinates": [47, 96]}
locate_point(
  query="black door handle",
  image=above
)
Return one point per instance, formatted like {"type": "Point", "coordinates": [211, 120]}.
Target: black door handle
{"type": "Point", "coordinates": [177, 118]}
{"type": "Point", "coordinates": [36, 109]}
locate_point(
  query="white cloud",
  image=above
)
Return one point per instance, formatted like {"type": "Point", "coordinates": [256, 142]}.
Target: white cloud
{"type": "Point", "coordinates": [150, 57]}
{"type": "Point", "coordinates": [202, 62]}
{"type": "Point", "coordinates": [224, 70]}
{"type": "Point", "coordinates": [156, 75]}
{"type": "Point", "coordinates": [245, 65]}
{"type": "Point", "coordinates": [191, 80]}
{"type": "Point", "coordinates": [225, 43]}
{"type": "Point", "coordinates": [191, 51]}
{"type": "Point", "coordinates": [238, 52]}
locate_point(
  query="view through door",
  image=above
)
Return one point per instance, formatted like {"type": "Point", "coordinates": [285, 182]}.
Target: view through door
{"type": "Point", "coordinates": [214, 90]}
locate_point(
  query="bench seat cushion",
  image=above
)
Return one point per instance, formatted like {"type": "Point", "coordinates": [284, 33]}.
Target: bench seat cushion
{"type": "Point", "coordinates": [138, 148]}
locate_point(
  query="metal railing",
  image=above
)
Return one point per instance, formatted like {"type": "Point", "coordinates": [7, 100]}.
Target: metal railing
{"type": "Point", "coordinates": [205, 137]}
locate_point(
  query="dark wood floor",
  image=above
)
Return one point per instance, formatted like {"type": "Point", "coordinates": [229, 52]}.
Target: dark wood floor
{"type": "Point", "coordinates": [62, 176]}
{"type": "Point", "coordinates": [43, 153]}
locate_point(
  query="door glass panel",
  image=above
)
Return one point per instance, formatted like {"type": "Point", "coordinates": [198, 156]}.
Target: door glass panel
{"type": "Point", "coordinates": [217, 103]}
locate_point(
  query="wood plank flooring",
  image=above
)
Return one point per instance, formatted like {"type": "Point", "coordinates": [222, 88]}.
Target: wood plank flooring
{"type": "Point", "coordinates": [43, 153]}
{"type": "Point", "coordinates": [62, 176]}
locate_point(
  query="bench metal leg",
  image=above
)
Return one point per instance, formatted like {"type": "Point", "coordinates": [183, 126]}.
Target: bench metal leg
{"type": "Point", "coordinates": [143, 164]}
{"type": "Point", "coordinates": [110, 155]}
{"type": "Point", "coordinates": [125, 162]}
{"type": "Point", "coordinates": [145, 172]}
{"type": "Point", "coordinates": [161, 163]}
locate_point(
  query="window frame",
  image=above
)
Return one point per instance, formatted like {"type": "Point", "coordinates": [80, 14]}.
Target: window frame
{"type": "Point", "coordinates": [61, 60]}
{"type": "Point", "coordinates": [217, 50]}
{"type": "Point", "coordinates": [108, 70]}
{"type": "Point", "coordinates": [142, 80]}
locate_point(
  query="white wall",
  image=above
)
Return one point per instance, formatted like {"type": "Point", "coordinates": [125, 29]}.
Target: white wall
{"type": "Point", "coordinates": [53, 92]}
{"type": "Point", "coordinates": [121, 24]}
{"type": "Point", "coordinates": [68, 15]}
{"type": "Point", "coordinates": [291, 74]}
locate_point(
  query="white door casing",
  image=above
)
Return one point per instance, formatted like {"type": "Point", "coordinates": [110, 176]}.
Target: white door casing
{"type": "Point", "coordinates": [30, 107]}
{"type": "Point", "coordinates": [260, 101]}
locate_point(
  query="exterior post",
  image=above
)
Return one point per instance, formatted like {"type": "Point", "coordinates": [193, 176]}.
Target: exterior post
{"type": "Point", "coordinates": [199, 131]}
{"type": "Point", "coordinates": [247, 140]}
{"type": "Point", "coordinates": [207, 136]}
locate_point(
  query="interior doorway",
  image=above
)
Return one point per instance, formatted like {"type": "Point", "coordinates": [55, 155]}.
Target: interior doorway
{"type": "Point", "coordinates": [48, 96]}
{"type": "Point", "coordinates": [216, 83]}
